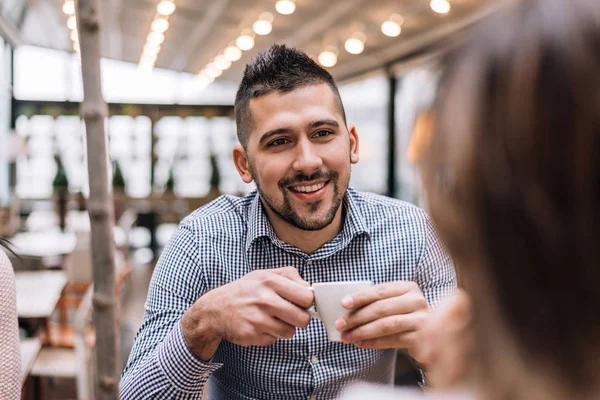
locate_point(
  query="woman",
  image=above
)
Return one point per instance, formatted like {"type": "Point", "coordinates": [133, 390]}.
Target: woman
{"type": "Point", "coordinates": [513, 185]}
{"type": "Point", "coordinates": [10, 357]}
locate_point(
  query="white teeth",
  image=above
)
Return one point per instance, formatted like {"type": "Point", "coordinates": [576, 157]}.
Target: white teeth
{"type": "Point", "coordinates": [308, 189]}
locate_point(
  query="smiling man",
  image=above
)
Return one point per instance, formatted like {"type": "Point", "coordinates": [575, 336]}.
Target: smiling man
{"type": "Point", "coordinates": [228, 298]}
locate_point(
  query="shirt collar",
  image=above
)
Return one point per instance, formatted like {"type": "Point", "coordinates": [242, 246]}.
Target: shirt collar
{"type": "Point", "coordinates": [259, 225]}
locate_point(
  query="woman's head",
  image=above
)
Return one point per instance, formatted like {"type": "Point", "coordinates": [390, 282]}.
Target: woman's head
{"type": "Point", "coordinates": [513, 178]}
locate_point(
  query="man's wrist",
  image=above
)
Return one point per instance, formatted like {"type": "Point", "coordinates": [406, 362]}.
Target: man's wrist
{"type": "Point", "coordinates": [199, 334]}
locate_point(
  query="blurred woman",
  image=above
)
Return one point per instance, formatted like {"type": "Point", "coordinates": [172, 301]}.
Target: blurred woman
{"type": "Point", "coordinates": [513, 185]}
{"type": "Point", "coordinates": [10, 357]}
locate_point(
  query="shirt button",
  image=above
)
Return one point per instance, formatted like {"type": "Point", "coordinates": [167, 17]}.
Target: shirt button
{"type": "Point", "coordinates": [314, 360]}
{"type": "Point", "coordinates": [308, 263]}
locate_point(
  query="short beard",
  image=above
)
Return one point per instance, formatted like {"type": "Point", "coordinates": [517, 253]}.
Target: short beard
{"type": "Point", "coordinates": [287, 212]}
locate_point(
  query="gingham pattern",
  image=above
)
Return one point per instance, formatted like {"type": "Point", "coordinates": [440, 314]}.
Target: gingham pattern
{"type": "Point", "coordinates": [382, 240]}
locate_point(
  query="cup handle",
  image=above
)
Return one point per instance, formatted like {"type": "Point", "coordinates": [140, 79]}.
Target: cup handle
{"type": "Point", "coordinates": [313, 313]}
{"type": "Point", "coordinates": [312, 310]}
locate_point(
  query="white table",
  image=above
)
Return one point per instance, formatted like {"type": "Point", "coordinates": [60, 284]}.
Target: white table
{"type": "Point", "coordinates": [38, 292]}
{"type": "Point", "coordinates": [44, 244]}
{"type": "Point", "coordinates": [30, 348]}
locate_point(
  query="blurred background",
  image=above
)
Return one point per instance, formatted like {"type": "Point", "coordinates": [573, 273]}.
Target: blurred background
{"type": "Point", "coordinates": [170, 71]}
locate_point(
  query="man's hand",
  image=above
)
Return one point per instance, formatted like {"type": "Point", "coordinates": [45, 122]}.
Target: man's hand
{"type": "Point", "coordinates": [256, 310]}
{"type": "Point", "coordinates": [389, 315]}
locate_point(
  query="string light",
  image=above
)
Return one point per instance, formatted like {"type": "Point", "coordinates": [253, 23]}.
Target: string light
{"type": "Point", "coordinates": [69, 7]}
{"type": "Point", "coordinates": [263, 25]}
{"type": "Point", "coordinates": [156, 37]}
{"type": "Point", "coordinates": [328, 57]}
{"type": "Point", "coordinates": [233, 53]}
{"type": "Point", "coordinates": [159, 25]}
{"type": "Point", "coordinates": [392, 27]}
{"type": "Point", "coordinates": [356, 43]}
{"type": "Point", "coordinates": [245, 41]}
{"type": "Point", "coordinates": [165, 7]}
{"type": "Point", "coordinates": [440, 6]}
{"type": "Point", "coordinates": [222, 62]}
{"type": "Point", "coordinates": [285, 7]}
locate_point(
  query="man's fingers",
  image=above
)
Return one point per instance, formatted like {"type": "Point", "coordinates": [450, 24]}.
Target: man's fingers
{"type": "Point", "coordinates": [277, 328]}
{"type": "Point", "coordinates": [292, 274]}
{"type": "Point", "coordinates": [397, 341]}
{"type": "Point", "coordinates": [289, 313]}
{"type": "Point", "coordinates": [382, 327]}
{"type": "Point", "coordinates": [404, 304]}
{"type": "Point", "coordinates": [290, 290]}
{"type": "Point", "coordinates": [378, 292]}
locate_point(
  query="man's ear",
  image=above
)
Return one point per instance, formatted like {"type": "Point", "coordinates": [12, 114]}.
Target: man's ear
{"type": "Point", "coordinates": [353, 144]}
{"type": "Point", "coordinates": [240, 159]}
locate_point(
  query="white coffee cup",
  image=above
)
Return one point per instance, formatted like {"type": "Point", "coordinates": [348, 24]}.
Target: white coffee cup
{"type": "Point", "coordinates": [328, 303]}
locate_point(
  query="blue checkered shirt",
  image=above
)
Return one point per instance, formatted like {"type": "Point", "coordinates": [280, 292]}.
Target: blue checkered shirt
{"type": "Point", "coordinates": [382, 240]}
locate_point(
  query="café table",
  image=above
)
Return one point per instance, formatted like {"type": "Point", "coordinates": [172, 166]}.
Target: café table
{"type": "Point", "coordinates": [50, 243]}
{"type": "Point", "coordinates": [30, 347]}
{"type": "Point", "coordinates": [38, 292]}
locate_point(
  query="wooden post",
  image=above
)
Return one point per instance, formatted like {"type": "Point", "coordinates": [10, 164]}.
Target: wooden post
{"type": "Point", "coordinates": [93, 111]}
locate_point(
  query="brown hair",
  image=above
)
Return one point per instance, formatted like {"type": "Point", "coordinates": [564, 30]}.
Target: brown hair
{"type": "Point", "coordinates": [513, 180]}
{"type": "Point", "coordinates": [278, 69]}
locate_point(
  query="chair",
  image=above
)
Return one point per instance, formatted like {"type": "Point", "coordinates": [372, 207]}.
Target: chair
{"type": "Point", "coordinates": [75, 359]}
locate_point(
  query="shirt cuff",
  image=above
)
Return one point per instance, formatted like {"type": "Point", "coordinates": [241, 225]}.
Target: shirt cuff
{"type": "Point", "coordinates": [183, 369]}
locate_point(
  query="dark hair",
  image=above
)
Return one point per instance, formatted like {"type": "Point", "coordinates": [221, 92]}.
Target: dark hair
{"type": "Point", "coordinates": [4, 243]}
{"type": "Point", "coordinates": [513, 180]}
{"type": "Point", "coordinates": [280, 68]}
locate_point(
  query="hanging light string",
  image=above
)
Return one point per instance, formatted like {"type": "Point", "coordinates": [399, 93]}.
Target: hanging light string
{"type": "Point", "coordinates": [156, 37]}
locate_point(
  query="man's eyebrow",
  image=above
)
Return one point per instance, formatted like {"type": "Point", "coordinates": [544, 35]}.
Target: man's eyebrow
{"type": "Point", "coordinates": [273, 132]}
{"type": "Point", "coordinates": [323, 122]}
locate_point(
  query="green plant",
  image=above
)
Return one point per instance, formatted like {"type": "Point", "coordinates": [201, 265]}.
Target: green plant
{"type": "Point", "coordinates": [170, 184]}
{"type": "Point", "coordinates": [118, 180]}
{"type": "Point", "coordinates": [60, 178]}
{"type": "Point", "coordinates": [215, 176]}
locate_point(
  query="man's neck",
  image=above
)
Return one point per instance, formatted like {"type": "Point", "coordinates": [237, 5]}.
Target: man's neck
{"type": "Point", "coordinates": [307, 241]}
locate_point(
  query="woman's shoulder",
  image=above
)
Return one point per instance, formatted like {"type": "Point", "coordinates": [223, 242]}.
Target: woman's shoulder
{"type": "Point", "coordinates": [6, 270]}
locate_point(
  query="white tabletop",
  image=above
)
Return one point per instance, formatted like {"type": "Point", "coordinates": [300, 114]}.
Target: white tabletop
{"type": "Point", "coordinates": [30, 348]}
{"type": "Point", "coordinates": [44, 244]}
{"type": "Point", "coordinates": [38, 292]}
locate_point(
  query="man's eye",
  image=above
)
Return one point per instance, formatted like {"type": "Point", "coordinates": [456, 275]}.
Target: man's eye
{"type": "Point", "coordinates": [278, 142]}
{"type": "Point", "coordinates": [322, 133]}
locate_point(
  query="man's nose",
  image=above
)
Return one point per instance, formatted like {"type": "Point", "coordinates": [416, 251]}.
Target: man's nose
{"type": "Point", "coordinates": [306, 158]}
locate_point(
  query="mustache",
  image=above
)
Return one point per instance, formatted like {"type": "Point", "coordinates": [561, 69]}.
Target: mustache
{"type": "Point", "coordinates": [301, 177]}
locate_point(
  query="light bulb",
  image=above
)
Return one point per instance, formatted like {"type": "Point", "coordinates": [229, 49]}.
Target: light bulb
{"type": "Point", "coordinates": [74, 36]}
{"type": "Point", "coordinates": [245, 42]}
{"type": "Point", "coordinates": [69, 7]}
{"type": "Point", "coordinates": [354, 45]}
{"type": "Point", "coordinates": [391, 28]}
{"type": "Point", "coordinates": [212, 71]}
{"type": "Point", "coordinates": [285, 7]}
{"type": "Point", "coordinates": [440, 6]}
{"type": "Point", "coordinates": [165, 7]}
{"type": "Point", "coordinates": [232, 53]}
{"type": "Point", "coordinates": [327, 58]}
{"type": "Point", "coordinates": [72, 22]}
{"type": "Point", "coordinates": [151, 49]}
{"type": "Point", "coordinates": [160, 25]}
{"type": "Point", "coordinates": [222, 62]}
{"type": "Point", "coordinates": [262, 27]}
{"type": "Point", "coordinates": [155, 38]}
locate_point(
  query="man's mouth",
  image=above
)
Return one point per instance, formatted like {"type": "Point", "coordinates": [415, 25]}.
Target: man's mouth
{"type": "Point", "coordinates": [303, 188]}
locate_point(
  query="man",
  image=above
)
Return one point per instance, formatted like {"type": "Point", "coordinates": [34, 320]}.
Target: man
{"type": "Point", "coordinates": [229, 295]}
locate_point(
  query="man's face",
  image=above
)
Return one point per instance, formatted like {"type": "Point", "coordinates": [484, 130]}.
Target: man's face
{"type": "Point", "coordinates": [299, 154]}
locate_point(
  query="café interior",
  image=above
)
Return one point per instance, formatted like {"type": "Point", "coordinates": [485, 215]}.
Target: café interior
{"type": "Point", "coordinates": [170, 71]}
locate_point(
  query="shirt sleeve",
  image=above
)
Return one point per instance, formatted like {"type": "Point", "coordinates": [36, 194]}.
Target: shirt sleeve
{"type": "Point", "coordinates": [435, 272]}
{"type": "Point", "coordinates": [160, 363]}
